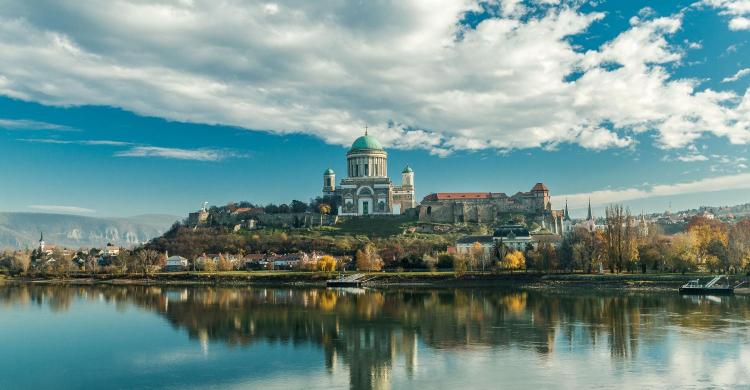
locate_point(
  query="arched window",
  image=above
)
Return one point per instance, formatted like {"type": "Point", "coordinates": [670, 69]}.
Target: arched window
{"type": "Point", "coordinates": [429, 210]}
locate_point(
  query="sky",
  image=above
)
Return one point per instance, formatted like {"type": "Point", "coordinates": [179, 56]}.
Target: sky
{"type": "Point", "coordinates": [121, 108]}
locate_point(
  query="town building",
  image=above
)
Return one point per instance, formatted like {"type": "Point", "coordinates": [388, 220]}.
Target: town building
{"type": "Point", "coordinates": [513, 236]}
{"type": "Point", "coordinates": [367, 189]}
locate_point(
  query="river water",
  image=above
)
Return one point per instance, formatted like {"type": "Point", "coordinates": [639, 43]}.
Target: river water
{"type": "Point", "coordinates": [110, 337]}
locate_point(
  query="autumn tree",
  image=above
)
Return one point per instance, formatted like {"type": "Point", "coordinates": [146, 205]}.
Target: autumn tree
{"type": "Point", "coordinates": [738, 246]}
{"type": "Point", "coordinates": [682, 252]}
{"type": "Point", "coordinates": [367, 259]}
{"type": "Point", "coordinates": [323, 209]}
{"type": "Point", "coordinates": [327, 264]}
{"type": "Point", "coordinates": [621, 238]}
{"type": "Point", "coordinates": [710, 238]}
{"type": "Point", "coordinates": [514, 260]}
{"type": "Point", "coordinates": [224, 264]}
{"type": "Point", "coordinates": [544, 257]}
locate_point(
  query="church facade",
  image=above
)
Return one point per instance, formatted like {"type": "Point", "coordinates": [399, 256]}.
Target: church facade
{"type": "Point", "coordinates": [367, 189]}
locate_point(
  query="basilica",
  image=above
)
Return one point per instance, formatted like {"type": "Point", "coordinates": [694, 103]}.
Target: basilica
{"type": "Point", "coordinates": [367, 189]}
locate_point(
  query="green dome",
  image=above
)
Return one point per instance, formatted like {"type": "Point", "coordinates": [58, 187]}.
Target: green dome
{"type": "Point", "coordinates": [329, 171]}
{"type": "Point", "coordinates": [366, 142]}
{"type": "Point", "coordinates": [407, 170]}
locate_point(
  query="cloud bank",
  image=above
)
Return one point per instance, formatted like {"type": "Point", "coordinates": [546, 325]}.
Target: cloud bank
{"type": "Point", "coordinates": [605, 197]}
{"type": "Point", "coordinates": [62, 209]}
{"type": "Point", "coordinates": [418, 73]}
{"type": "Point", "coordinates": [176, 154]}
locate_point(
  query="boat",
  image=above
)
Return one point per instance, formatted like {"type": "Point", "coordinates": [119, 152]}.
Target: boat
{"type": "Point", "coordinates": [713, 287]}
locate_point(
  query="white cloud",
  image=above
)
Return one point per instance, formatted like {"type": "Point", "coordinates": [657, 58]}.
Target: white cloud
{"type": "Point", "coordinates": [25, 124]}
{"type": "Point", "coordinates": [62, 209]}
{"type": "Point", "coordinates": [177, 154]}
{"type": "Point", "coordinates": [410, 69]}
{"type": "Point", "coordinates": [739, 23]}
{"type": "Point", "coordinates": [692, 158]}
{"type": "Point", "coordinates": [148, 150]}
{"type": "Point", "coordinates": [738, 10]}
{"type": "Point", "coordinates": [740, 74]}
{"type": "Point", "coordinates": [96, 142]}
{"type": "Point", "coordinates": [607, 196]}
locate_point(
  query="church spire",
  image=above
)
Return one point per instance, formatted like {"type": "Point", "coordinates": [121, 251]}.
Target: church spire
{"type": "Point", "coordinates": [41, 236]}
{"type": "Point", "coordinates": [567, 215]}
{"type": "Point", "coordinates": [589, 216]}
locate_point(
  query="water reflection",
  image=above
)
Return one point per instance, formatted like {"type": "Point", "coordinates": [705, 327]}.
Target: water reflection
{"type": "Point", "coordinates": [373, 332]}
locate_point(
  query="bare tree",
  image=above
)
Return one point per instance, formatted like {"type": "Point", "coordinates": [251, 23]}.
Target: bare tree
{"type": "Point", "coordinates": [145, 259]}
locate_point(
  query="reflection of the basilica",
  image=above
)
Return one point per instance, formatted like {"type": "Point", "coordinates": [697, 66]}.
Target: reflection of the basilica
{"type": "Point", "coordinates": [370, 331]}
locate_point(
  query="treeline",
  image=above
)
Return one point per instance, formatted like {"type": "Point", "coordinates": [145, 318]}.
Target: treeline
{"type": "Point", "coordinates": [142, 261]}
{"type": "Point", "coordinates": [622, 245]}
{"type": "Point", "coordinates": [295, 206]}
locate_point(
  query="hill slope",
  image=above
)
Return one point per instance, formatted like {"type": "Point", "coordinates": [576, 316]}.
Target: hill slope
{"type": "Point", "coordinates": [21, 230]}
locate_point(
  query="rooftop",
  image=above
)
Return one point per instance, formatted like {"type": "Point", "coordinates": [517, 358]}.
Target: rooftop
{"type": "Point", "coordinates": [473, 239]}
{"type": "Point", "coordinates": [366, 142]}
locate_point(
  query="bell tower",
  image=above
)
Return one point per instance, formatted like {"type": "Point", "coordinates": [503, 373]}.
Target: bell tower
{"type": "Point", "coordinates": [329, 182]}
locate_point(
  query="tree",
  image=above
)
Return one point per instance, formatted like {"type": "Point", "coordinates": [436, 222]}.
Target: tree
{"type": "Point", "coordinates": [123, 260]}
{"type": "Point", "coordinates": [324, 209]}
{"type": "Point", "coordinates": [544, 257]}
{"type": "Point", "coordinates": [368, 259]}
{"type": "Point", "coordinates": [514, 260]}
{"type": "Point", "coordinates": [327, 264]}
{"type": "Point", "coordinates": [710, 238]}
{"type": "Point", "coordinates": [224, 264]}
{"type": "Point", "coordinates": [682, 252]}
{"type": "Point", "coordinates": [209, 265]}
{"type": "Point", "coordinates": [61, 264]}
{"type": "Point", "coordinates": [476, 255]}
{"type": "Point", "coordinates": [298, 206]}
{"type": "Point", "coordinates": [91, 264]}
{"type": "Point", "coordinates": [738, 246]}
{"type": "Point", "coordinates": [459, 266]}
{"type": "Point", "coordinates": [445, 260]}
{"type": "Point", "coordinates": [146, 260]}
{"type": "Point", "coordinates": [620, 238]}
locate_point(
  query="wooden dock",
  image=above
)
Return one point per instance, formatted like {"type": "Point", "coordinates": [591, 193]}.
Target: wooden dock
{"type": "Point", "coordinates": [354, 280]}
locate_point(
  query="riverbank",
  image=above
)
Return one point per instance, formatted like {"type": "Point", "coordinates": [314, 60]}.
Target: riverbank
{"type": "Point", "coordinates": [383, 279]}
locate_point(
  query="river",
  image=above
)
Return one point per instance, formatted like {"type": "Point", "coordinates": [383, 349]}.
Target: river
{"type": "Point", "coordinates": [125, 337]}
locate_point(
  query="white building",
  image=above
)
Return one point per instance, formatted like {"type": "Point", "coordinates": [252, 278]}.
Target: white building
{"type": "Point", "coordinates": [177, 262]}
{"type": "Point", "coordinates": [367, 189]}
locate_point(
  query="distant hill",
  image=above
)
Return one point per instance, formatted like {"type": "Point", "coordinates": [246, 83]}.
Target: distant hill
{"type": "Point", "coordinates": [21, 230]}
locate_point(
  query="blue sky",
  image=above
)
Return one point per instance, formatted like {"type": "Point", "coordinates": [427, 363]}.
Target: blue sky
{"type": "Point", "coordinates": [134, 108]}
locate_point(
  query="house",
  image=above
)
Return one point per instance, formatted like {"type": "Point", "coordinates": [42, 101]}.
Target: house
{"type": "Point", "coordinates": [111, 250]}
{"type": "Point", "coordinates": [291, 260]}
{"type": "Point", "coordinates": [176, 263]}
{"type": "Point", "coordinates": [255, 261]}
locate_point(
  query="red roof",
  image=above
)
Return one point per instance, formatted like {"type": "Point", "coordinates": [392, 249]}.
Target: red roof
{"type": "Point", "coordinates": [458, 195]}
{"type": "Point", "coordinates": [539, 187]}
